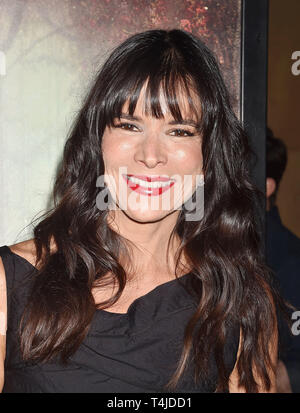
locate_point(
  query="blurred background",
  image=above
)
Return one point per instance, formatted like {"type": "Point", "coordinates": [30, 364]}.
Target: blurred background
{"type": "Point", "coordinates": [284, 102]}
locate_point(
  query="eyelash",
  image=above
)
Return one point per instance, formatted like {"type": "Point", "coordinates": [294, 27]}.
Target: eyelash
{"type": "Point", "coordinates": [130, 127]}
{"type": "Point", "coordinates": [121, 125]}
{"type": "Point", "coordinates": [188, 133]}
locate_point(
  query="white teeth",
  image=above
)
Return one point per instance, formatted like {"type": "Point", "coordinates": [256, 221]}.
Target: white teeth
{"type": "Point", "coordinates": [146, 184]}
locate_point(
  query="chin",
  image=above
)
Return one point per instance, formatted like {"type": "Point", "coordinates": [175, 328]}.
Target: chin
{"type": "Point", "coordinates": [144, 216]}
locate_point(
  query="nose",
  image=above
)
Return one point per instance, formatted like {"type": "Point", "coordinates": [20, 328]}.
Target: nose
{"type": "Point", "coordinates": [151, 151]}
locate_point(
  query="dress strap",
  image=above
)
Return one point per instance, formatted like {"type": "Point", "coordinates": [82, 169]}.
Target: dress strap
{"type": "Point", "coordinates": [5, 250]}
{"type": "Point", "coordinates": [9, 266]}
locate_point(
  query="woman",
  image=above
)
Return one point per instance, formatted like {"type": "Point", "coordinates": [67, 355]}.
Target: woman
{"type": "Point", "coordinates": [119, 293]}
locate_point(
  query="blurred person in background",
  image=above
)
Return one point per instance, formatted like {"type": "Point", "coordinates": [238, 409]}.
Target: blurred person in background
{"type": "Point", "coordinates": [283, 256]}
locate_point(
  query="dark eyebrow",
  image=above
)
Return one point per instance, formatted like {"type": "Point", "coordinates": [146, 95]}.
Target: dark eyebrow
{"type": "Point", "coordinates": [189, 122]}
{"type": "Point", "coordinates": [129, 117]}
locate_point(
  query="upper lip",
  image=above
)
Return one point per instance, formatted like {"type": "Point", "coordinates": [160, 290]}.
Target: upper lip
{"type": "Point", "coordinates": [151, 178]}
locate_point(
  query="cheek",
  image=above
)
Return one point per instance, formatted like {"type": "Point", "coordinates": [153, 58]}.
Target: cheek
{"type": "Point", "coordinates": [115, 153]}
{"type": "Point", "coordinates": [189, 160]}
{"type": "Point", "coordinates": [180, 154]}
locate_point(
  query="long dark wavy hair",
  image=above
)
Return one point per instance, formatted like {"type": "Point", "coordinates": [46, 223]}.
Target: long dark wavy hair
{"type": "Point", "coordinates": [232, 281]}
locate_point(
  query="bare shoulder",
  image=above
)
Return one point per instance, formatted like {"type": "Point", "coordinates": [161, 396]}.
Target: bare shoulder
{"type": "Point", "coordinates": [234, 382]}
{"type": "Point", "coordinates": [27, 250]}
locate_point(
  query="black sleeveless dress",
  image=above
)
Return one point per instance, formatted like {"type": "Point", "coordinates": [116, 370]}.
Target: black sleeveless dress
{"type": "Point", "coordinates": [133, 352]}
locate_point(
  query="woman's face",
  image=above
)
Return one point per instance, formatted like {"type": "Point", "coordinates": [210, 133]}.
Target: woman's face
{"type": "Point", "coordinates": [152, 166]}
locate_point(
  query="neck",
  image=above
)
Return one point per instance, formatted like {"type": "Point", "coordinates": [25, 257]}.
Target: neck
{"type": "Point", "coordinates": [149, 242]}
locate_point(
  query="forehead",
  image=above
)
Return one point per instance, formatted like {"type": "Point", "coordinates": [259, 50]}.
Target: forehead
{"type": "Point", "coordinates": [188, 103]}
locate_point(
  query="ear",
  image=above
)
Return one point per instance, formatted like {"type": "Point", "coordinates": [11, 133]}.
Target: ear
{"type": "Point", "coordinates": [270, 187]}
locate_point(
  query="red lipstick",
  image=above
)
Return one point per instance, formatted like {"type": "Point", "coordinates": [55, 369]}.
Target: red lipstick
{"type": "Point", "coordinates": [151, 178]}
{"type": "Point", "coordinates": [148, 190]}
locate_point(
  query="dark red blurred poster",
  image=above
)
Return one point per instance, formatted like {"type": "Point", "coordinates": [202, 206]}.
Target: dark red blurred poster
{"type": "Point", "coordinates": [217, 23]}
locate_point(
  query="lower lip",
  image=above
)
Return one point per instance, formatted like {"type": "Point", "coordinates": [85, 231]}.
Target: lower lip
{"type": "Point", "coordinates": [147, 191]}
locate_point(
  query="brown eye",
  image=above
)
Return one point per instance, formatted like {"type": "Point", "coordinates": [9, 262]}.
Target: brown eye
{"type": "Point", "coordinates": [127, 126]}
{"type": "Point", "coordinates": [181, 133]}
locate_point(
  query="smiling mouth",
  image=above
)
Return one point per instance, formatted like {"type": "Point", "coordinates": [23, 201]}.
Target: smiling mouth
{"type": "Point", "coordinates": [149, 186]}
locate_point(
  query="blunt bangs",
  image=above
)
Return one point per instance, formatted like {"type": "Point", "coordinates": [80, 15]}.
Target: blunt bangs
{"type": "Point", "coordinates": [164, 76]}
